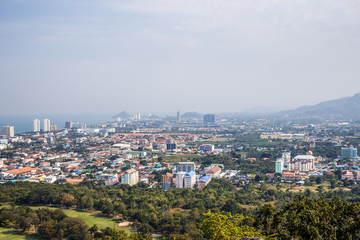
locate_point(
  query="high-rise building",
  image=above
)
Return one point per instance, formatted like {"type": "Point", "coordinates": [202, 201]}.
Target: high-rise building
{"type": "Point", "coordinates": [301, 163]}
{"type": "Point", "coordinates": [68, 125]}
{"type": "Point", "coordinates": [190, 179]}
{"type": "Point", "coordinates": [178, 116]}
{"type": "Point", "coordinates": [209, 118]}
{"type": "Point", "coordinates": [185, 166]}
{"type": "Point", "coordinates": [46, 125]}
{"type": "Point", "coordinates": [180, 179]}
{"type": "Point", "coordinates": [170, 145]}
{"type": "Point", "coordinates": [349, 152]}
{"type": "Point", "coordinates": [279, 165]}
{"type": "Point", "coordinates": [53, 128]}
{"type": "Point", "coordinates": [8, 131]}
{"type": "Point", "coordinates": [130, 177]}
{"type": "Point", "coordinates": [36, 123]}
{"type": "Point", "coordinates": [167, 181]}
{"type": "Point", "coordinates": [286, 156]}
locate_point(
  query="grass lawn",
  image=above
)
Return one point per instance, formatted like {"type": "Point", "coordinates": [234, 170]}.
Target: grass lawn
{"type": "Point", "coordinates": [12, 234]}
{"type": "Point", "coordinates": [91, 218]}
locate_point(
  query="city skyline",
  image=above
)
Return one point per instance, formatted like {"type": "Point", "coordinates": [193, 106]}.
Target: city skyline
{"type": "Point", "coordinates": [214, 56]}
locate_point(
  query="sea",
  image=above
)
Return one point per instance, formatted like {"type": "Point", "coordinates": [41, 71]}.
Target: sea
{"type": "Point", "coordinates": [24, 123]}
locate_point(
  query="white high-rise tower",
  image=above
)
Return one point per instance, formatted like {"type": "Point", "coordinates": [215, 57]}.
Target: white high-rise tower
{"type": "Point", "coordinates": [46, 125]}
{"type": "Point", "coordinates": [36, 125]}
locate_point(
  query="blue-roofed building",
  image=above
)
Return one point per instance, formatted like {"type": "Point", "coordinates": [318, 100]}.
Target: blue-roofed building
{"type": "Point", "coordinates": [204, 181]}
{"type": "Point", "coordinates": [190, 179]}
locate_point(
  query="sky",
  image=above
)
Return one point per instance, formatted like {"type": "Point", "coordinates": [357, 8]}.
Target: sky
{"type": "Point", "coordinates": [106, 56]}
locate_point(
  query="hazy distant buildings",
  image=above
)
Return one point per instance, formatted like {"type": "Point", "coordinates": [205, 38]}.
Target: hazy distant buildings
{"type": "Point", "coordinates": [46, 125]}
{"type": "Point", "coordinates": [178, 116]}
{"type": "Point", "coordinates": [349, 152]}
{"type": "Point", "coordinates": [209, 119]}
{"type": "Point", "coordinates": [68, 125]}
{"type": "Point", "coordinates": [36, 125]}
{"type": "Point", "coordinates": [8, 131]}
{"type": "Point", "coordinates": [53, 128]}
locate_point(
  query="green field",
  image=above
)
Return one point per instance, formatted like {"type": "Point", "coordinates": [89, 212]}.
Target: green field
{"type": "Point", "coordinates": [11, 234]}
{"type": "Point", "coordinates": [88, 217]}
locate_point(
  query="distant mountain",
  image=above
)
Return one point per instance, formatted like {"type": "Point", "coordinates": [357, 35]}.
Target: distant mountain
{"type": "Point", "coordinates": [191, 115]}
{"type": "Point", "coordinates": [263, 110]}
{"type": "Point", "coordinates": [345, 108]}
{"type": "Point", "coordinates": [123, 115]}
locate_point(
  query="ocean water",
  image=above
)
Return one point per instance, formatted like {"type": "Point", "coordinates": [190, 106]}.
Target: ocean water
{"type": "Point", "coordinates": [24, 123]}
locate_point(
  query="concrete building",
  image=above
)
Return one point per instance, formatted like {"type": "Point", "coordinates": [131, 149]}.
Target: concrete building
{"type": "Point", "coordinates": [209, 119]}
{"type": "Point", "coordinates": [349, 152]}
{"type": "Point", "coordinates": [302, 163]}
{"type": "Point", "coordinates": [207, 147]}
{"type": "Point", "coordinates": [167, 181]}
{"type": "Point", "coordinates": [203, 181]}
{"type": "Point", "coordinates": [178, 116]}
{"type": "Point", "coordinates": [8, 131]}
{"type": "Point", "coordinates": [68, 125]}
{"type": "Point", "coordinates": [36, 125]}
{"type": "Point", "coordinates": [53, 128]}
{"type": "Point", "coordinates": [185, 166]}
{"type": "Point", "coordinates": [46, 125]}
{"type": "Point", "coordinates": [130, 177]}
{"type": "Point", "coordinates": [190, 179]}
{"type": "Point", "coordinates": [180, 179]}
{"type": "Point", "coordinates": [214, 172]}
{"type": "Point", "coordinates": [279, 165]}
{"type": "Point", "coordinates": [286, 156]}
{"type": "Point", "coordinates": [170, 145]}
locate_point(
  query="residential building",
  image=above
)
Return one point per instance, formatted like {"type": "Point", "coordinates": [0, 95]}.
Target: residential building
{"type": "Point", "coordinates": [286, 156]}
{"type": "Point", "coordinates": [8, 131]}
{"type": "Point", "coordinates": [180, 179]}
{"type": "Point", "coordinates": [53, 128]}
{"type": "Point", "coordinates": [36, 123]}
{"type": "Point", "coordinates": [302, 163]}
{"type": "Point", "coordinates": [279, 165]}
{"type": "Point", "coordinates": [185, 166]}
{"type": "Point", "coordinates": [190, 179]}
{"type": "Point", "coordinates": [167, 181]}
{"type": "Point", "coordinates": [349, 152]}
{"type": "Point", "coordinates": [207, 147]}
{"type": "Point", "coordinates": [46, 125]}
{"type": "Point", "coordinates": [130, 177]}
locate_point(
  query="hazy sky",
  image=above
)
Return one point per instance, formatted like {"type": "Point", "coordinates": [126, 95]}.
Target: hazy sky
{"type": "Point", "coordinates": [105, 56]}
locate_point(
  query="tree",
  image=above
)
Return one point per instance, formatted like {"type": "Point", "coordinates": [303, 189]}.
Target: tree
{"type": "Point", "coordinates": [226, 226]}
